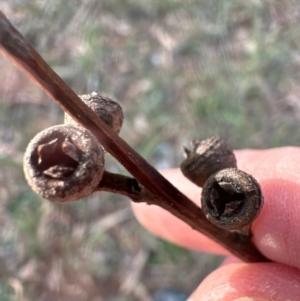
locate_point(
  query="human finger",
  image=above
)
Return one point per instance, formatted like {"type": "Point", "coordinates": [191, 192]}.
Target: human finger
{"type": "Point", "coordinates": [275, 230]}
{"type": "Point", "coordinates": [250, 282]}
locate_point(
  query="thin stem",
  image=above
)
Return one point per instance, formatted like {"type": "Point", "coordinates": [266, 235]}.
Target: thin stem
{"type": "Point", "coordinates": [163, 193]}
{"type": "Point", "coordinates": [126, 186]}
{"type": "Point", "coordinates": [120, 184]}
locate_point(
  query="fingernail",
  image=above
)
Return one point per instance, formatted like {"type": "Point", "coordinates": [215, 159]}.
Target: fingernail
{"type": "Point", "coordinates": [251, 299]}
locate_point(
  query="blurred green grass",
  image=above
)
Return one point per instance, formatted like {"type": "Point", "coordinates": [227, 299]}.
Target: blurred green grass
{"type": "Point", "coordinates": [181, 70]}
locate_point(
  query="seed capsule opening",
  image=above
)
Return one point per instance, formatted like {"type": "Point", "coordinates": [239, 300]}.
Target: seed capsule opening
{"type": "Point", "coordinates": [54, 158]}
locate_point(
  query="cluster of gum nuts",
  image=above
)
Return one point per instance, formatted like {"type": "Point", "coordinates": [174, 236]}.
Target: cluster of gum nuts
{"type": "Point", "coordinates": [65, 162]}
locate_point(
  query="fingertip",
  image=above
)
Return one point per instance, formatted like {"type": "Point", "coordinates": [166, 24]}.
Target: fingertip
{"type": "Point", "coordinates": [268, 281]}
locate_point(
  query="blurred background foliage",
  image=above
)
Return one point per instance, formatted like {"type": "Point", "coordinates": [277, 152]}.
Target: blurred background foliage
{"type": "Point", "coordinates": [181, 70]}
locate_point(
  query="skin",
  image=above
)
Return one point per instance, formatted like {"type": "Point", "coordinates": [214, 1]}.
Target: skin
{"type": "Point", "coordinates": [276, 231]}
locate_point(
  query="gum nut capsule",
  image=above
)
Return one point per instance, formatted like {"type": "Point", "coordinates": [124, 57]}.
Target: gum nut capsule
{"type": "Point", "coordinates": [231, 199]}
{"type": "Point", "coordinates": [107, 109]}
{"type": "Point", "coordinates": [64, 163]}
{"type": "Point", "coordinates": [206, 157]}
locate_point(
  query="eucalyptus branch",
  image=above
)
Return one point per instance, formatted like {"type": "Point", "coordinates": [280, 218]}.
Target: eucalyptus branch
{"type": "Point", "coordinates": [158, 190]}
